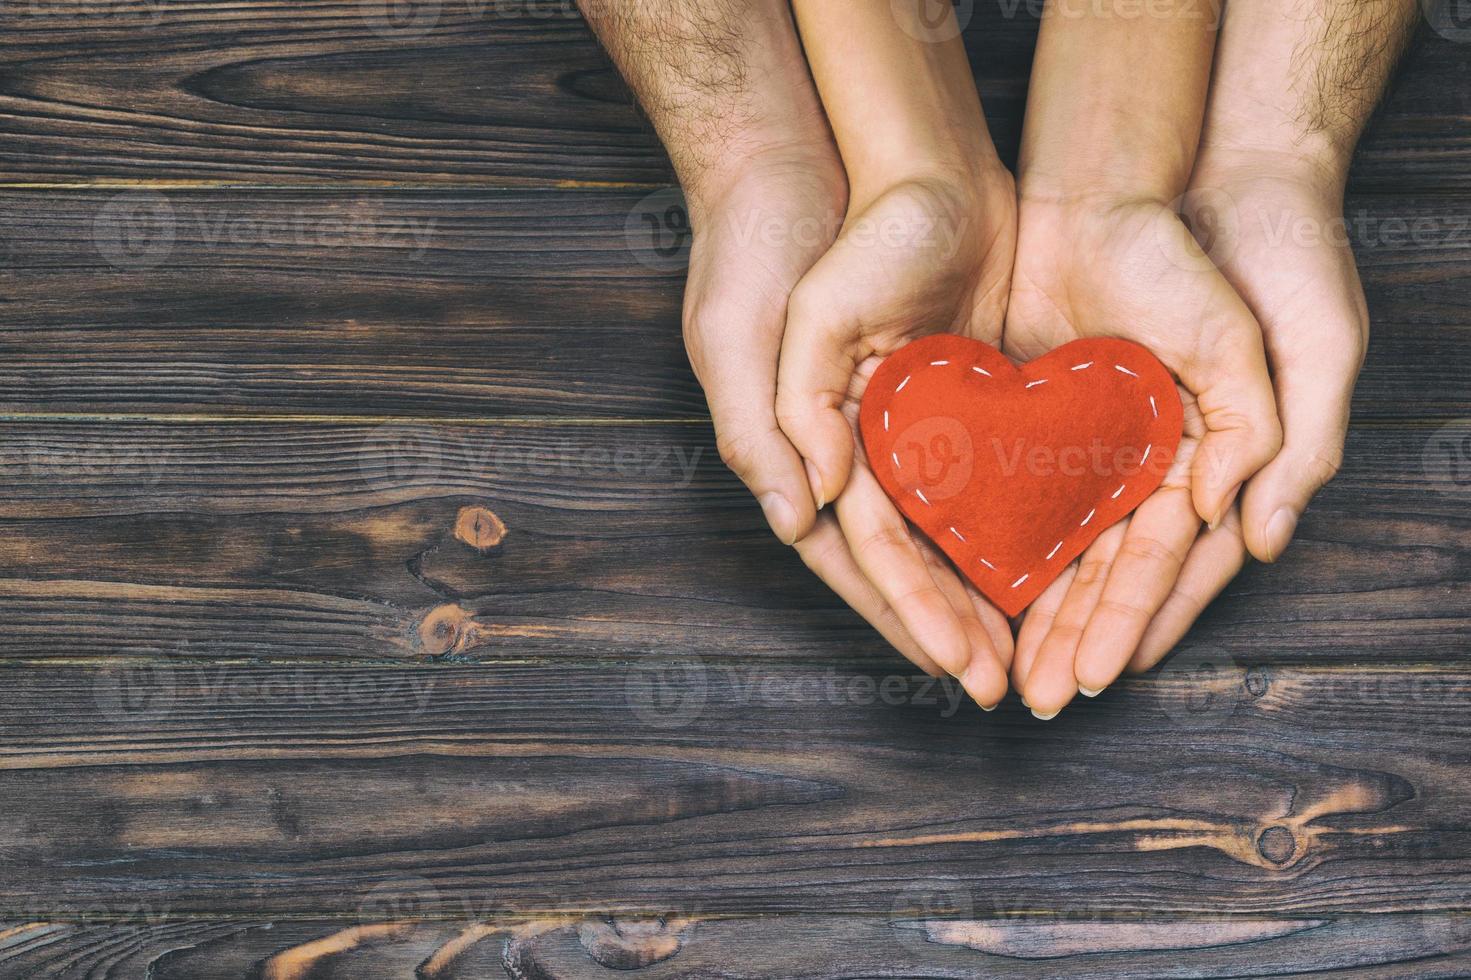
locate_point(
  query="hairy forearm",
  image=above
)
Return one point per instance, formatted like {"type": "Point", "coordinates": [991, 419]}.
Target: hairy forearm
{"type": "Point", "coordinates": [1296, 80]}
{"type": "Point", "coordinates": [898, 91]}
{"type": "Point", "coordinates": [1117, 98]}
{"type": "Point", "coordinates": [721, 80]}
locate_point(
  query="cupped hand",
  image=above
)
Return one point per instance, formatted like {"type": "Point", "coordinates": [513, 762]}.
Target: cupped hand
{"type": "Point", "coordinates": [1133, 270]}
{"type": "Point", "coordinates": [1275, 229]}
{"type": "Point", "coordinates": [754, 240]}
{"type": "Point", "coordinates": [924, 256]}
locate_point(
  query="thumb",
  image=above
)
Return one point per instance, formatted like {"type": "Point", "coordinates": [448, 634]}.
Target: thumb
{"type": "Point", "coordinates": [740, 386]}
{"type": "Point", "coordinates": [1315, 409]}
{"type": "Point", "coordinates": [1242, 433]}
{"type": "Point", "coordinates": [820, 352]}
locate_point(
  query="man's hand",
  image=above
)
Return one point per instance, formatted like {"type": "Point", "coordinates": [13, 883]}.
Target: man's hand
{"type": "Point", "coordinates": [1293, 85]}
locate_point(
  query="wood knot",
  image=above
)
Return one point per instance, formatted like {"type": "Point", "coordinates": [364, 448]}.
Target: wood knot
{"type": "Point", "coordinates": [1276, 844]}
{"type": "Point", "coordinates": [631, 945]}
{"type": "Point", "coordinates": [479, 528]}
{"type": "Point", "coordinates": [445, 629]}
{"type": "Point", "coordinates": [1257, 681]}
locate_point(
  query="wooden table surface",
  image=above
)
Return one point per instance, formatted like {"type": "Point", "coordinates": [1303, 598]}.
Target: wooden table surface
{"type": "Point", "coordinates": [374, 603]}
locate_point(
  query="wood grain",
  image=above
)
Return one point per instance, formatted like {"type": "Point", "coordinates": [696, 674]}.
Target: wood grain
{"type": "Point", "coordinates": [407, 541]}
{"type": "Point", "coordinates": [725, 785]}
{"type": "Point", "coordinates": [462, 91]}
{"type": "Point", "coordinates": [487, 304]}
{"type": "Point", "coordinates": [808, 947]}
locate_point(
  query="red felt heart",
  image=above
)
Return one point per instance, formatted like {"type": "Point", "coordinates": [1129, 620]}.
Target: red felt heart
{"type": "Point", "coordinates": [1014, 471]}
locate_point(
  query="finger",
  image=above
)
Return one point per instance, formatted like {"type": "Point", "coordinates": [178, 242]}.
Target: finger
{"type": "Point", "coordinates": [1314, 409]}
{"type": "Point", "coordinates": [1148, 564]}
{"type": "Point", "coordinates": [825, 551]}
{"type": "Point", "coordinates": [985, 676]}
{"type": "Point", "coordinates": [1214, 560]}
{"type": "Point", "coordinates": [749, 442]}
{"type": "Point", "coordinates": [887, 554]}
{"type": "Point", "coordinates": [820, 351]}
{"type": "Point", "coordinates": [1038, 621]}
{"type": "Point", "coordinates": [1234, 393]}
{"type": "Point", "coordinates": [996, 625]}
{"type": "Point", "coordinates": [1052, 682]}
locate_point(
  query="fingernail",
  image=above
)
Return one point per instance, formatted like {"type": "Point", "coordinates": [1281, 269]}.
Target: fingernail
{"type": "Point", "coordinates": [1225, 507]}
{"type": "Point", "coordinates": [1041, 717]}
{"type": "Point", "coordinates": [984, 708]}
{"type": "Point", "coordinates": [781, 515]}
{"type": "Point", "coordinates": [1279, 532]}
{"type": "Point", "coordinates": [815, 478]}
{"type": "Point", "coordinates": [1088, 692]}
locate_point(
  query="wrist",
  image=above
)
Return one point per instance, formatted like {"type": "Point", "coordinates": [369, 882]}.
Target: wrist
{"type": "Point", "coordinates": [758, 161]}
{"type": "Point", "coordinates": [1313, 168]}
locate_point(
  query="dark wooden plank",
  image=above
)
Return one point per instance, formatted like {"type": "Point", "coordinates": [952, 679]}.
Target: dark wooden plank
{"type": "Point", "coordinates": [312, 541]}
{"type": "Point", "coordinates": [809, 947]}
{"type": "Point", "coordinates": [486, 304]}
{"type": "Point", "coordinates": [727, 786]}
{"type": "Point", "coordinates": [482, 91]}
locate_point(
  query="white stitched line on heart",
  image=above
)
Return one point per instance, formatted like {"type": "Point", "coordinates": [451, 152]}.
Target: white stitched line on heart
{"type": "Point", "coordinates": [903, 383]}
{"type": "Point", "coordinates": [938, 363]}
{"type": "Point", "coordinates": [886, 420]}
{"type": "Point", "coordinates": [920, 494]}
{"type": "Point", "coordinates": [1145, 458]}
{"type": "Point", "coordinates": [1079, 367]}
{"type": "Point", "coordinates": [1021, 580]}
{"type": "Point", "coordinates": [1053, 551]}
{"type": "Point", "coordinates": [957, 534]}
{"type": "Point", "coordinates": [1084, 521]}
{"type": "Point", "coordinates": [1153, 407]}
{"type": "Point", "coordinates": [1120, 367]}
{"type": "Point", "coordinates": [1033, 384]}
{"type": "Point", "coordinates": [980, 370]}
{"type": "Point", "coordinates": [1117, 492]}
{"type": "Point", "coordinates": [895, 458]}
{"type": "Point", "coordinates": [988, 564]}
